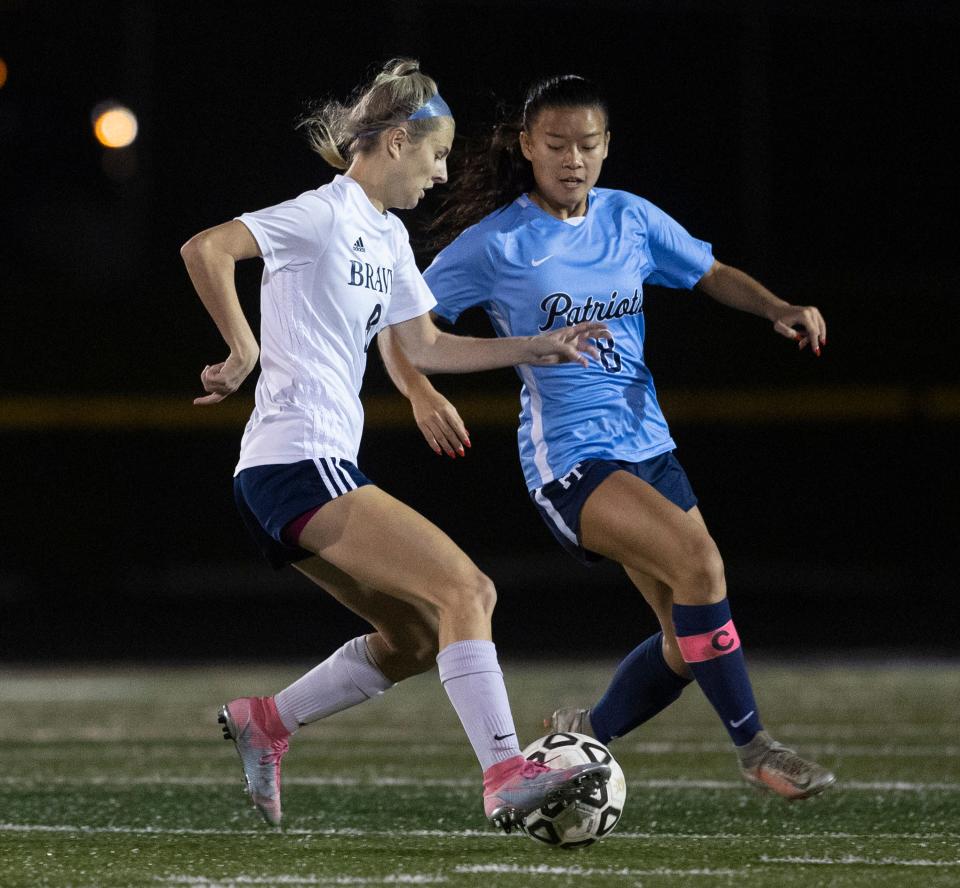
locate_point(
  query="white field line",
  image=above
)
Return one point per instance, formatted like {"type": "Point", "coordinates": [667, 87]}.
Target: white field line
{"type": "Point", "coordinates": [399, 879]}
{"type": "Point", "coordinates": [353, 833]}
{"type": "Point", "coordinates": [362, 748]}
{"type": "Point", "coordinates": [197, 723]}
{"type": "Point", "coordinates": [443, 782]}
{"type": "Point", "coordinates": [423, 879]}
{"type": "Point", "coordinates": [883, 750]}
{"type": "Point", "coordinates": [852, 860]}
{"type": "Point", "coordinates": [545, 870]}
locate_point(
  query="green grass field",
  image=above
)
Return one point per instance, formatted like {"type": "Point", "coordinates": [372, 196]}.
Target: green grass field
{"type": "Point", "coordinates": [118, 777]}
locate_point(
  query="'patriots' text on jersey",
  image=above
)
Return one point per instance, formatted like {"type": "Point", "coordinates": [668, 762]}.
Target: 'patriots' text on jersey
{"type": "Point", "coordinates": [532, 272]}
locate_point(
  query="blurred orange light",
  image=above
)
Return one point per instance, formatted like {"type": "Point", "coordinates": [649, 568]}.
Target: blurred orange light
{"type": "Point", "coordinates": [3, 73]}
{"type": "Point", "coordinates": [115, 126]}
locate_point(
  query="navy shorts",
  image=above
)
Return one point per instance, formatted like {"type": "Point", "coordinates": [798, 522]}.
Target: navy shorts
{"type": "Point", "coordinates": [560, 502]}
{"type": "Point", "coordinates": [270, 497]}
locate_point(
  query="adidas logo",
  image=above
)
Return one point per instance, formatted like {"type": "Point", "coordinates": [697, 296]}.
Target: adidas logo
{"type": "Point", "coordinates": [358, 246]}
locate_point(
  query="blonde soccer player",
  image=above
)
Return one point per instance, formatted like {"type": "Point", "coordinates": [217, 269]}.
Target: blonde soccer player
{"type": "Point", "coordinates": [338, 268]}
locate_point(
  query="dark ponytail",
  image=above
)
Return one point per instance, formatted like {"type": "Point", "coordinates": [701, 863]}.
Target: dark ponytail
{"type": "Point", "coordinates": [492, 172]}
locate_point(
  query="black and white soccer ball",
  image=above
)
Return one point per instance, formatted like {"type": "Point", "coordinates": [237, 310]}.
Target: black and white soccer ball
{"type": "Point", "coordinates": [590, 819]}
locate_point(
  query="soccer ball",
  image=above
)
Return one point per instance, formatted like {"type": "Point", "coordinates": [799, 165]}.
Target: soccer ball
{"type": "Point", "coordinates": [588, 820]}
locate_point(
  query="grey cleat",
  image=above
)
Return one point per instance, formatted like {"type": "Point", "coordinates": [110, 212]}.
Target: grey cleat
{"type": "Point", "coordinates": [767, 764]}
{"type": "Point", "coordinates": [570, 721]}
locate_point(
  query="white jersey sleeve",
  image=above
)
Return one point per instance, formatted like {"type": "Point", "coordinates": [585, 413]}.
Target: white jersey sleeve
{"type": "Point", "coordinates": [293, 233]}
{"type": "Point", "coordinates": [411, 295]}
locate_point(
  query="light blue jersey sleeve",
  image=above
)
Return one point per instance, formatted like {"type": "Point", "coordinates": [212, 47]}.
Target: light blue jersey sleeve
{"type": "Point", "coordinates": [461, 276]}
{"type": "Point", "coordinates": [679, 260]}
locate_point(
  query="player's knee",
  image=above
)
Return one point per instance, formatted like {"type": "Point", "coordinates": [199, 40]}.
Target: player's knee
{"type": "Point", "coordinates": [471, 590]}
{"type": "Point", "coordinates": [482, 593]}
{"type": "Point", "coordinates": [701, 573]}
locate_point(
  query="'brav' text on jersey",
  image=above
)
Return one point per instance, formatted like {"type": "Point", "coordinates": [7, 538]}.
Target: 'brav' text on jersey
{"type": "Point", "coordinates": [560, 305]}
{"type": "Point", "coordinates": [378, 278]}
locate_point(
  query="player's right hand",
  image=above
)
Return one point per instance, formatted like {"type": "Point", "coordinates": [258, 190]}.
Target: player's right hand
{"type": "Point", "coordinates": [439, 422]}
{"type": "Point", "coordinates": [568, 344]}
{"type": "Point", "coordinates": [223, 379]}
{"type": "Point", "coordinates": [813, 328]}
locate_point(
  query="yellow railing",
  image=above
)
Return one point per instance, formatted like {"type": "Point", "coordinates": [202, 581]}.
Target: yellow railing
{"type": "Point", "coordinates": [786, 405]}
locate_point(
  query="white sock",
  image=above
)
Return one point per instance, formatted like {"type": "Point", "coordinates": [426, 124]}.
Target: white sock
{"type": "Point", "coordinates": [347, 677]}
{"type": "Point", "coordinates": [471, 676]}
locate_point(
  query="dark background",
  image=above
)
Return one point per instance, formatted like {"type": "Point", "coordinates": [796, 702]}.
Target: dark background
{"type": "Point", "coordinates": [813, 143]}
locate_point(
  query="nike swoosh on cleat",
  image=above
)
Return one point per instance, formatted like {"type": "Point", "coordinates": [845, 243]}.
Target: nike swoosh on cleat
{"type": "Point", "coordinates": [536, 262]}
{"type": "Point", "coordinates": [503, 736]}
{"type": "Point", "coordinates": [736, 724]}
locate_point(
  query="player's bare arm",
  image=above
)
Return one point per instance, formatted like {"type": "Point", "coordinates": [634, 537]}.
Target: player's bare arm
{"type": "Point", "coordinates": [438, 420]}
{"type": "Point", "coordinates": [211, 257]}
{"type": "Point", "coordinates": [430, 350]}
{"type": "Point", "coordinates": [736, 289]}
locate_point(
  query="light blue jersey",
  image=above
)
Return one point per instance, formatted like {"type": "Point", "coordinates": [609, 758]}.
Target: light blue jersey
{"type": "Point", "coordinates": [532, 272]}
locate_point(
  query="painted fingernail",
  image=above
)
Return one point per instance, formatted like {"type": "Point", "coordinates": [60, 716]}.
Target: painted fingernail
{"type": "Point", "coordinates": [451, 454]}
{"type": "Point", "coordinates": [816, 351]}
{"type": "Point", "coordinates": [467, 442]}
{"type": "Point", "coordinates": [460, 451]}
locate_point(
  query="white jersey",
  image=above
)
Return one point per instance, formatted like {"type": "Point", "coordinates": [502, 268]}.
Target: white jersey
{"type": "Point", "coordinates": [336, 270]}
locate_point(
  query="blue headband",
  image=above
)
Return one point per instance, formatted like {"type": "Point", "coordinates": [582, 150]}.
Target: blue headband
{"type": "Point", "coordinates": [436, 107]}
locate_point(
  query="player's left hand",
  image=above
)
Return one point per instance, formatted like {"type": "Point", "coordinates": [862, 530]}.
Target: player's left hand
{"type": "Point", "coordinates": [568, 345]}
{"type": "Point", "coordinates": [813, 328]}
{"type": "Point", "coordinates": [439, 422]}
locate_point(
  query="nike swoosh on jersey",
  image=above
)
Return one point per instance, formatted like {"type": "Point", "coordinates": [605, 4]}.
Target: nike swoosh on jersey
{"type": "Point", "coordinates": [536, 262]}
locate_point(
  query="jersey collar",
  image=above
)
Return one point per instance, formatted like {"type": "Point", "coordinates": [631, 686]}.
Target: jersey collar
{"type": "Point", "coordinates": [525, 201]}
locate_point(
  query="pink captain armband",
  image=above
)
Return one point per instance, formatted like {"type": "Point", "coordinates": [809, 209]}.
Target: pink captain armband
{"type": "Point", "coordinates": [707, 645]}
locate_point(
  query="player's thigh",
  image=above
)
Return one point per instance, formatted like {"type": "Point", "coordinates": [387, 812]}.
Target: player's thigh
{"type": "Point", "coordinates": [384, 544]}
{"type": "Point", "coordinates": [697, 516]}
{"type": "Point", "coordinates": [402, 623]}
{"type": "Point", "coordinates": [627, 520]}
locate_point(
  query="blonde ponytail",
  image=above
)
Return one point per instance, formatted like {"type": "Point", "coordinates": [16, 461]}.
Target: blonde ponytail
{"type": "Point", "coordinates": [338, 132]}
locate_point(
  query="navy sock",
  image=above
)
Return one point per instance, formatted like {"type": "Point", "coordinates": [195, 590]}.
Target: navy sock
{"type": "Point", "coordinates": [710, 646]}
{"type": "Point", "coordinates": [641, 687]}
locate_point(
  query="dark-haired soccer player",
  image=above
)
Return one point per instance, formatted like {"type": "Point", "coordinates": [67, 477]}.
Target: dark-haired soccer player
{"type": "Point", "coordinates": [544, 248]}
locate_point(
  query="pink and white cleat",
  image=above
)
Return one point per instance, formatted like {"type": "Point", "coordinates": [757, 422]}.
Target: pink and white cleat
{"type": "Point", "coordinates": [514, 788]}
{"type": "Point", "coordinates": [255, 728]}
